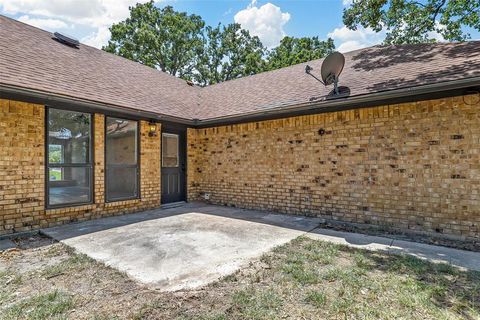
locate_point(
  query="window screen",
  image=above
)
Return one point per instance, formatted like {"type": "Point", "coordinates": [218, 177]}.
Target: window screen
{"type": "Point", "coordinates": [122, 170]}
{"type": "Point", "coordinates": [69, 161]}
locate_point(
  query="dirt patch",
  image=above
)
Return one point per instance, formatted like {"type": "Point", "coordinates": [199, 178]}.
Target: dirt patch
{"type": "Point", "coordinates": [33, 241]}
{"type": "Point", "coordinates": [32, 253]}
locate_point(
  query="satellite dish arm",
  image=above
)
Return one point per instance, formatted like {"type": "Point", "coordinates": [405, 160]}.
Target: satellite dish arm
{"type": "Point", "coordinates": [308, 70]}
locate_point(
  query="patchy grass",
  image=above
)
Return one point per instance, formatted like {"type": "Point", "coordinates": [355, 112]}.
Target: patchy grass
{"type": "Point", "coordinates": [10, 277]}
{"type": "Point", "coordinates": [304, 279]}
{"type": "Point", "coordinates": [45, 306]}
{"type": "Point", "coordinates": [252, 304]}
{"type": "Point", "coordinates": [313, 279]}
{"type": "Point", "coordinates": [76, 261]}
{"type": "Point", "coordinates": [316, 298]}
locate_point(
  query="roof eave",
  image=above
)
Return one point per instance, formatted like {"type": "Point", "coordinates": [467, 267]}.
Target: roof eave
{"type": "Point", "coordinates": [52, 99]}
{"type": "Point", "coordinates": [341, 104]}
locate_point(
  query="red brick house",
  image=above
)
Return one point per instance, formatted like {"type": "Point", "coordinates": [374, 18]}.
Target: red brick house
{"type": "Point", "coordinates": [85, 134]}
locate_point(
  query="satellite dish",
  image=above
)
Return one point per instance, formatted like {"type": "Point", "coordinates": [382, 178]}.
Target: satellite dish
{"type": "Point", "coordinates": [65, 39]}
{"type": "Point", "coordinates": [330, 71]}
{"type": "Point", "coordinates": [332, 66]}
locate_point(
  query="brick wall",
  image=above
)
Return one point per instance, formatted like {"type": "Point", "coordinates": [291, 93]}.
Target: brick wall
{"type": "Point", "coordinates": [413, 166]}
{"type": "Point", "coordinates": [22, 172]}
{"type": "Point", "coordinates": [21, 165]}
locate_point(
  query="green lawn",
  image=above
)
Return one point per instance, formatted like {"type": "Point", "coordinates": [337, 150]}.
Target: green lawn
{"type": "Point", "coordinates": [55, 174]}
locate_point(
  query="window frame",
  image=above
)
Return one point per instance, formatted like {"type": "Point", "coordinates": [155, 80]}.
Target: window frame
{"type": "Point", "coordinates": [88, 165]}
{"type": "Point", "coordinates": [106, 165]}
{"type": "Point", "coordinates": [177, 136]}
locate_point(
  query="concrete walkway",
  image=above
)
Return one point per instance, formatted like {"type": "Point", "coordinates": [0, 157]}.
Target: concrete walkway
{"type": "Point", "coordinates": [6, 244]}
{"type": "Point", "coordinates": [459, 258]}
{"type": "Point", "coordinates": [193, 245]}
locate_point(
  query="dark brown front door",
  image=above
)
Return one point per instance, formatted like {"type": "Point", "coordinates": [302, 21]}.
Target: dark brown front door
{"type": "Point", "coordinates": [173, 164]}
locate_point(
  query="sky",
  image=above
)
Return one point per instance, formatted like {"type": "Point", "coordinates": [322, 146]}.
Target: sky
{"type": "Point", "coordinates": [270, 20]}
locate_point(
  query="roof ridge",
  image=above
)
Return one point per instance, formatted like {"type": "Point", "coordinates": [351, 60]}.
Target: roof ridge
{"type": "Point", "coordinates": [24, 23]}
{"type": "Point", "coordinates": [99, 50]}
{"type": "Point", "coordinates": [284, 68]}
{"type": "Point", "coordinates": [344, 53]}
{"type": "Point", "coordinates": [219, 84]}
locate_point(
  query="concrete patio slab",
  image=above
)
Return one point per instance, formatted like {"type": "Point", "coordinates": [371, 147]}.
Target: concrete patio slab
{"type": "Point", "coordinates": [185, 247]}
{"type": "Point", "coordinates": [459, 258]}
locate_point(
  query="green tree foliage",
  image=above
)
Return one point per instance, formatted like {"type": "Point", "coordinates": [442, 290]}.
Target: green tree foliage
{"type": "Point", "coordinates": [159, 38]}
{"type": "Point", "coordinates": [182, 45]}
{"type": "Point", "coordinates": [55, 153]}
{"type": "Point", "coordinates": [297, 50]}
{"type": "Point", "coordinates": [229, 52]}
{"type": "Point", "coordinates": [409, 21]}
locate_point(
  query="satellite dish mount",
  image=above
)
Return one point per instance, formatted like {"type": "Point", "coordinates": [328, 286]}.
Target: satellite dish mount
{"type": "Point", "coordinates": [331, 69]}
{"type": "Point", "coordinates": [332, 78]}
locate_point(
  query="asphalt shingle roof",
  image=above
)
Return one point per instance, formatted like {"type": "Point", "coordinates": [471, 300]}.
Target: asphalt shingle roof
{"type": "Point", "coordinates": [31, 59]}
{"type": "Point", "coordinates": [370, 70]}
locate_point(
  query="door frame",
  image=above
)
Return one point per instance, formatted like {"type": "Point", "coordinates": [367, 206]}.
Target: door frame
{"type": "Point", "coordinates": [180, 130]}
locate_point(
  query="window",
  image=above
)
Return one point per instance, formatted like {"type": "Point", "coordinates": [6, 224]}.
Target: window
{"type": "Point", "coordinates": [122, 170]}
{"type": "Point", "coordinates": [169, 150]}
{"type": "Point", "coordinates": [69, 158]}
